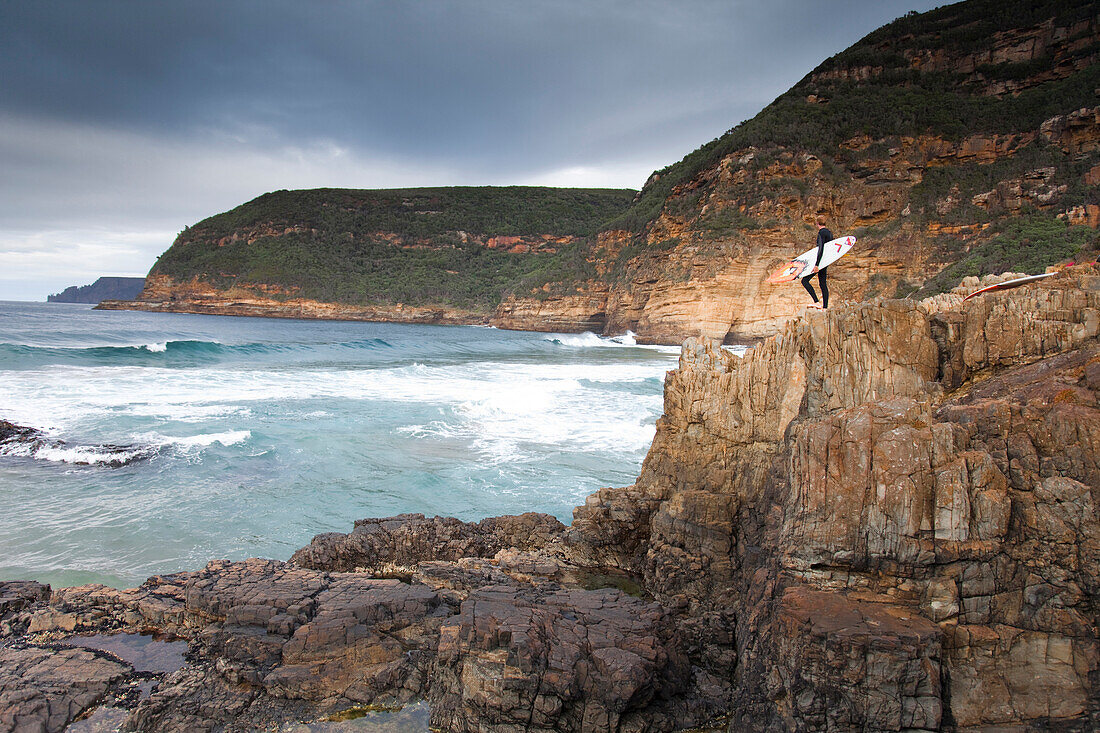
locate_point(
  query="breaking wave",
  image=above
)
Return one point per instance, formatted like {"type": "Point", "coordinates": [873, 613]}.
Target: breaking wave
{"type": "Point", "coordinates": [173, 353]}
{"type": "Point", "coordinates": [588, 340]}
{"type": "Point", "coordinates": [21, 442]}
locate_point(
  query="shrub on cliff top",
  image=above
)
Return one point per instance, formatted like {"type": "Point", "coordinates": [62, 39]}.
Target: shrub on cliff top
{"type": "Point", "coordinates": [1027, 244]}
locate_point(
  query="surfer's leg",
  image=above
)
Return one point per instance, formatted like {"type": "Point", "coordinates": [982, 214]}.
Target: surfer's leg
{"type": "Point", "coordinates": [824, 287]}
{"type": "Point", "coordinates": [809, 288]}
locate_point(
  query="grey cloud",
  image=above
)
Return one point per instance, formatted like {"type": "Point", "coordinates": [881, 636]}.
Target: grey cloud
{"type": "Point", "coordinates": [480, 82]}
{"type": "Point", "coordinates": [135, 116]}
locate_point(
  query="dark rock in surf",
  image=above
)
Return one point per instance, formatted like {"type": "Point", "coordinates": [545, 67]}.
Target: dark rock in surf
{"type": "Point", "coordinates": [10, 432]}
{"type": "Point", "coordinates": [398, 543]}
{"type": "Point", "coordinates": [23, 441]}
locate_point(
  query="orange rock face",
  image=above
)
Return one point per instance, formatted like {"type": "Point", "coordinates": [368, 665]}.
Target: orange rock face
{"type": "Point", "coordinates": [887, 508]}
{"type": "Point", "coordinates": [688, 280]}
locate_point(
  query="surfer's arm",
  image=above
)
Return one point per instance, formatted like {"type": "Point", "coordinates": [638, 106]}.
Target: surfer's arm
{"type": "Point", "coordinates": [820, 250]}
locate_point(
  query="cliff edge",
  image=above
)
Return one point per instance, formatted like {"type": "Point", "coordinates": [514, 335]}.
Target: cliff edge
{"type": "Point", "coordinates": [883, 518]}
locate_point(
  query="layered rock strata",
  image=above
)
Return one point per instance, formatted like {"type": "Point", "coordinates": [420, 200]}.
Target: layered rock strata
{"type": "Point", "coordinates": [164, 295]}
{"type": "Point", "coordinates": [882, 518]}
{"type": "Point", "coordinates": [890, 507]}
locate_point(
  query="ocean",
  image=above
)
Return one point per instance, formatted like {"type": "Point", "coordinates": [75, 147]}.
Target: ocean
{"type": "Point", "coordinates": [168, 440]}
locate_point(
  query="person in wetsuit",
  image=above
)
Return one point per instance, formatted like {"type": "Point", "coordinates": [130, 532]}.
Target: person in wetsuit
{"type": "Point", "coordinates": [823, 236]}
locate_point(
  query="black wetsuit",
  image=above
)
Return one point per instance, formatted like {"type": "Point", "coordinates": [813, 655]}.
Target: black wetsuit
{"type": "Point", "coordinates": [823, 236]}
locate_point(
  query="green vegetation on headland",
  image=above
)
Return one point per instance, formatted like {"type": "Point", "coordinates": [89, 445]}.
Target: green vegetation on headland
{"type": "Point", "coordinates": [105, 288]}
{"type": "Point", "coordinates": [874, 89]}
{"type": "Point", "coordinates": [413, 246]}
{"type": "Point", "coordinates": [426, 212]}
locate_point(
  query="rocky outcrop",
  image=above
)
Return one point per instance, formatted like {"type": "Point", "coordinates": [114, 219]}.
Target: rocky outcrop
{"type": "Point", "coordinates": [520, 659]}
{"type": "Point", "coordinates": [888, 509]}
{"type": "Point", "coordinates": [272, 643]}
{"type": "Point", "coordinates": [399, 544]}
{"type": "Point", "coordinates": [46, 689]}
{"type": "Point", "coordinates": [18, 440]}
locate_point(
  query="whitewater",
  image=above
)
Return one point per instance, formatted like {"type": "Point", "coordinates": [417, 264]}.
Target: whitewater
{"type": "Point", "coordinates": [164, 440]}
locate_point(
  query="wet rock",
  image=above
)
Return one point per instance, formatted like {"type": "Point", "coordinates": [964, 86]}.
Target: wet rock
{"type": "Point", "coordinates": [45, 689]}
{"type": "Point", "coordinates": [203, 700]}
{"type": "Point", "coordinates": [397, 544]}
{"type": "Point", "coordinates": [517, 659]}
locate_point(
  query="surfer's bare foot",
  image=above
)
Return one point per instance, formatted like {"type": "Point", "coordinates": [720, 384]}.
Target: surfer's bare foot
{"type": "Point", "coordinates": [815, 305]}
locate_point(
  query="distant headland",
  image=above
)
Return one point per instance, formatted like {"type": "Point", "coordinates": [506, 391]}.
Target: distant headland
{"type": "Point", "coordinates": [105, 288]}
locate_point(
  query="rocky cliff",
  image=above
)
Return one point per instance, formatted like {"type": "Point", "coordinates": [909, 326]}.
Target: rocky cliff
{"type": "Point", "coordinates": [881, 518]}
{"type": "Point", "coordinates": [422, 255]}
{"type": "Point", "coordinates": [964, 141]}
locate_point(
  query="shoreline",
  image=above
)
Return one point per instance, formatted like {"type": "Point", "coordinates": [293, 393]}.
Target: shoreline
{"type": "Point", "coordinates": [416, 315]}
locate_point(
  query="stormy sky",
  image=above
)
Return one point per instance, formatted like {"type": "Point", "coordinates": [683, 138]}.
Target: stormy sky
{"type": "Point", "coordinates": [122, 121]}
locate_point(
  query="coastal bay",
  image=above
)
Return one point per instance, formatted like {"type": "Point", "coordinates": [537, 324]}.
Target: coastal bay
{"type": "Point", "coordinates": [165, 440]}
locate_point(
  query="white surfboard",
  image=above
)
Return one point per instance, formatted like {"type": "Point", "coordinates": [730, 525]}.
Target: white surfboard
{"type": "Point", "coordinates": [1008, 284]}
{"type": "Point", "coordinates": [803, 265]}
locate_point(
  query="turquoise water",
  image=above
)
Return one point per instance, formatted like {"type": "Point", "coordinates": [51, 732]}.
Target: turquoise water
{"type": "Point", "coordinates": [168, 440]}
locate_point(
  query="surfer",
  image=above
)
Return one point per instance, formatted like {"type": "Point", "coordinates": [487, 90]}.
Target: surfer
{"type": "Point", "coordinates": [823, 236]}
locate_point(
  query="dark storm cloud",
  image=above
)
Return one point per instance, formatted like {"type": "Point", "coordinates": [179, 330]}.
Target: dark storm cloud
{"type": "Point", "coordinates": [129, 119]}
{"type": "Point", "coordinates": [507, 83]}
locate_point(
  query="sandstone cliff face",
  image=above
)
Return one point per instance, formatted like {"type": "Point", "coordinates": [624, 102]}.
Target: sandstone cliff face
{"type": "Point", "coordinates": [893, 505]}
{"type": "Point", "coordinates": [162, 294]}
{"type": "Point", "coordinates": [711, 282]}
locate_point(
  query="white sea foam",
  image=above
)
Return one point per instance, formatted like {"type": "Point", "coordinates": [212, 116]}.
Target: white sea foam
{"type": "Point", "coordinates": [227, 438]}
{"type": "Point", "coordinates": [502, 410]}
{"type": "Point", "coordinates": [90, 455]}
{"type": "Point", "coordinates": [157, 347]}
{"type": "Point", "coordinates": [192, 412]}
{"type": "Point", "coordinates": [563, 407]}
{"type": "Point", "coordinates": [588, 340]}
{"type": "Point", "coordinates": [64, 396]}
